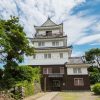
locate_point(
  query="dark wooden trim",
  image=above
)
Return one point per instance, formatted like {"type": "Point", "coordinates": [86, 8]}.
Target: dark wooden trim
{"type": "Point", "coordinates": [67, 81]}
{"type": "Point", "coordinates": [70, 82]}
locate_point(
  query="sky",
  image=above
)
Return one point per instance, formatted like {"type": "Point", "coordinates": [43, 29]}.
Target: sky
{"type": "Point", "coordinates": [81, 19]}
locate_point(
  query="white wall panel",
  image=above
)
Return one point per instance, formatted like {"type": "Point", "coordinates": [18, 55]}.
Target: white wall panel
{"type": "Point", "coordinates": [48, 44]}
{"type": "Point", "coordinates": [70, 71]}
{"type": "Point", "coordinates": [54, 60]}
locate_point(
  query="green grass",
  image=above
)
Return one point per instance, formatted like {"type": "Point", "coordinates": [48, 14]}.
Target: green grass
{"type": "Point", "coordinates": [77, 95]}
{"type": "Point", "coordinates": [98, 99]}
{"type": "Point", "coordinates": [69, 96]}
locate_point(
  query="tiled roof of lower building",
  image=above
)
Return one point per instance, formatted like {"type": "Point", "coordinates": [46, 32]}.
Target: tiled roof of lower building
{"type": "Point", "coordinates": [75, 60]}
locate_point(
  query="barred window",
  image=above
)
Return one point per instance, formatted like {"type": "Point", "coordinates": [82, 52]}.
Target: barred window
{"type": "Point", "coordinates": [78, 82]}
{"type": "Point", "coordinates": [77, 70]}
{"type": "Point", "coordinates": [47, 56]}
{"type": "Point", "coordinates": [45, 71]}
{"type": "Point", "coordinates": [41, 43]}
{"type": "Point", "coordinates": [34, 56]}
{"type": "Point", "coordinates": [55, 43]}
{"type": "Point", "coordinates": [49, 70]}
{"type": "Point", "coordinates": [62, 70]}
{"type": "Point", "coordinates": [61, 55]}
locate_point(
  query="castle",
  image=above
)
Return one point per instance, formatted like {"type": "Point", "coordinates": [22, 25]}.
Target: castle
{"type": "Point", "coordinates": [59, 70]}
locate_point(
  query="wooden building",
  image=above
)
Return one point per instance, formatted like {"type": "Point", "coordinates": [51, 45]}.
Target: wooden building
{"type": "Point", "coordinates": [60, 71]}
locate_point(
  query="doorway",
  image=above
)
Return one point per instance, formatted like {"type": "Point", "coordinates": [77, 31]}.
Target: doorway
{"type": "Point", "coordinates": [56, 85]}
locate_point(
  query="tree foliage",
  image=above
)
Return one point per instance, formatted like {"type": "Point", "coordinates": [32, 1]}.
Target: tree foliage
{"type": "Point", "coordinates": [20, 74]}
{"type": "Point", "coordinates": [93, 56]}
{"type": "Point", "coordinates": [13, 42]}
{"type": "Point", "coordinates": [94, 74]}
{"type": "Point", "coordinates": [1, 73]}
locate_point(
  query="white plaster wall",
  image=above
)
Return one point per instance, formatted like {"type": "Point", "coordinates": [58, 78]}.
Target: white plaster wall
{"type": "Point", "coordinates": [43, 32]}
{"type": "Point", "coordinates": [55, 31]}
{"type": "Point", "coordinates": [70, 71]}
{"type": "Point", "coordinates": [54, 60]}
{"type": "Point", "coordinates": [48, 44]}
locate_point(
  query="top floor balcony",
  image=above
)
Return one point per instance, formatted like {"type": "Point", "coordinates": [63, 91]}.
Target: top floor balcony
{"type": "Point", "coordinates": [54, 72]}
{"type": "Point", "coordinates": [49, 35]}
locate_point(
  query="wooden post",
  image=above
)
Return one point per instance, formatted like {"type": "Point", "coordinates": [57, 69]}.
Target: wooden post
{"type": "Point", "coordinates": [45, 84]}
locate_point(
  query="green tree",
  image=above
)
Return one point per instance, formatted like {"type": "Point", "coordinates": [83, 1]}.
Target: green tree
{"type": "Point", "coordinates": [94, 77]}
{"type": "Point", "coordinates": [13, 42]}
{"type": "Point", "coordinates": [93, 56]}
{"type": "Point", "coordinates": [20, 74]}
{"type": "Point", "coordinates": [1, 73]}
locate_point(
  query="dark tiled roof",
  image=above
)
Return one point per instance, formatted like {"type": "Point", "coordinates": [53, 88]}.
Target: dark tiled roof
{"type": "Point", "coordinates": [47, 48]}
{"type": "Point", "coordinates": [49, 37]}
{"type": "Point", "coordinates": [75, 60]}
{"type": "Point", "coordinates": [48, 19]}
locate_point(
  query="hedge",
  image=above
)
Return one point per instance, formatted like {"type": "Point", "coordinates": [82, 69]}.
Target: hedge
{"type": "Point", "coordinates": [96, 88]}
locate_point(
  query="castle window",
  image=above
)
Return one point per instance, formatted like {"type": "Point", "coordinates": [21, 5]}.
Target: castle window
{"type": "Point", "coordinates": [77, 70]}
{"type": "Point", "coordinates": [47, 55]}
{"type": "Point", "coordinates": [49, 70]}
{"type": "Point", "coordinates": [34, 56]}
{"type": "Point", "coordinates": [45, 71]}
{"type": "Point", "coordinates": [55, 43]}
{"type": "Point", "coordinates": [61, 55]}
{"type": "Point", "coordinates": [62, 70]}
{"type": "Point", "coordinates": [78, 82]}
{"type": "Point", "coordinates": [48, 33]}
{"type": "Point", "coordinates": [40, 43]}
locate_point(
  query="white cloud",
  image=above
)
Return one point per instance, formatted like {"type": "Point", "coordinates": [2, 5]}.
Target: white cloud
{"type": "Point", "coordinates": [88, 39]}
{"type": "Point", "coordinates": [35, 12]}
{"type": "Point", "coordinates": [95, 43]}
{"type": "Point", "coordinates": [96, 27]}
{"type": "Point", "coordinates": [74, 27]}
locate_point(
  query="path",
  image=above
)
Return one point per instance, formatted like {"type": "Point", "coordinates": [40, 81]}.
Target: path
{"type": "Point", "coordinates": [48, 96]}
{"type": "Point", "coordinates": [42, 96]}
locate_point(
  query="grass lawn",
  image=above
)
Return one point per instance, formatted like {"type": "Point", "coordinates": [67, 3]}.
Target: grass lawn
{"type": "Point", "coordinates": [69, 96]}
{"type": "Point", "coordinates": [98, 99]}
{"type": "Point", "coordinates": [78, 96]}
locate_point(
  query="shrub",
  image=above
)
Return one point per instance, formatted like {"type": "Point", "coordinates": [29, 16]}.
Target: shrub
{"type": "Point", "coordinates": [96, 88]}
{"type": "Point", "coordinates": [94, 77]}
{"type": "Point", "coordinates": [28, 87]}
{"type": "Point", "coordinates": [20, 76]}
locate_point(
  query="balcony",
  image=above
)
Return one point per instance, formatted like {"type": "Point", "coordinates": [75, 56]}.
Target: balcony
{"type": "Point", "coordinates": [55, 74]}
{"type": "Point", "coordinates": [60, 34]}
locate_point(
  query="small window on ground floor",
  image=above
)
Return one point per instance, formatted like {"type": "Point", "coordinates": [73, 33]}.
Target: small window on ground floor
{"type": "Point", "coordinates": [61, 70]}
{"type": "Point", "coordinates": [34, 56]}
{"type": "Point", "coordinates": [49, 70]}
{"type": "Point", "coordinates": [78, 82]}
{"type": "Point", "coordinates": [45, 71]}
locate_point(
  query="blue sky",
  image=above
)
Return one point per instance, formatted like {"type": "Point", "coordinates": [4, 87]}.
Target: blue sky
{"type": "Point", "coordinates": [81, 19]}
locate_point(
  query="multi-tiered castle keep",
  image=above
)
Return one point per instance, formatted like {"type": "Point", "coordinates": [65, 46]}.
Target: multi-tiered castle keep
{"type": "Point", "coordinates": [60, 71]}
